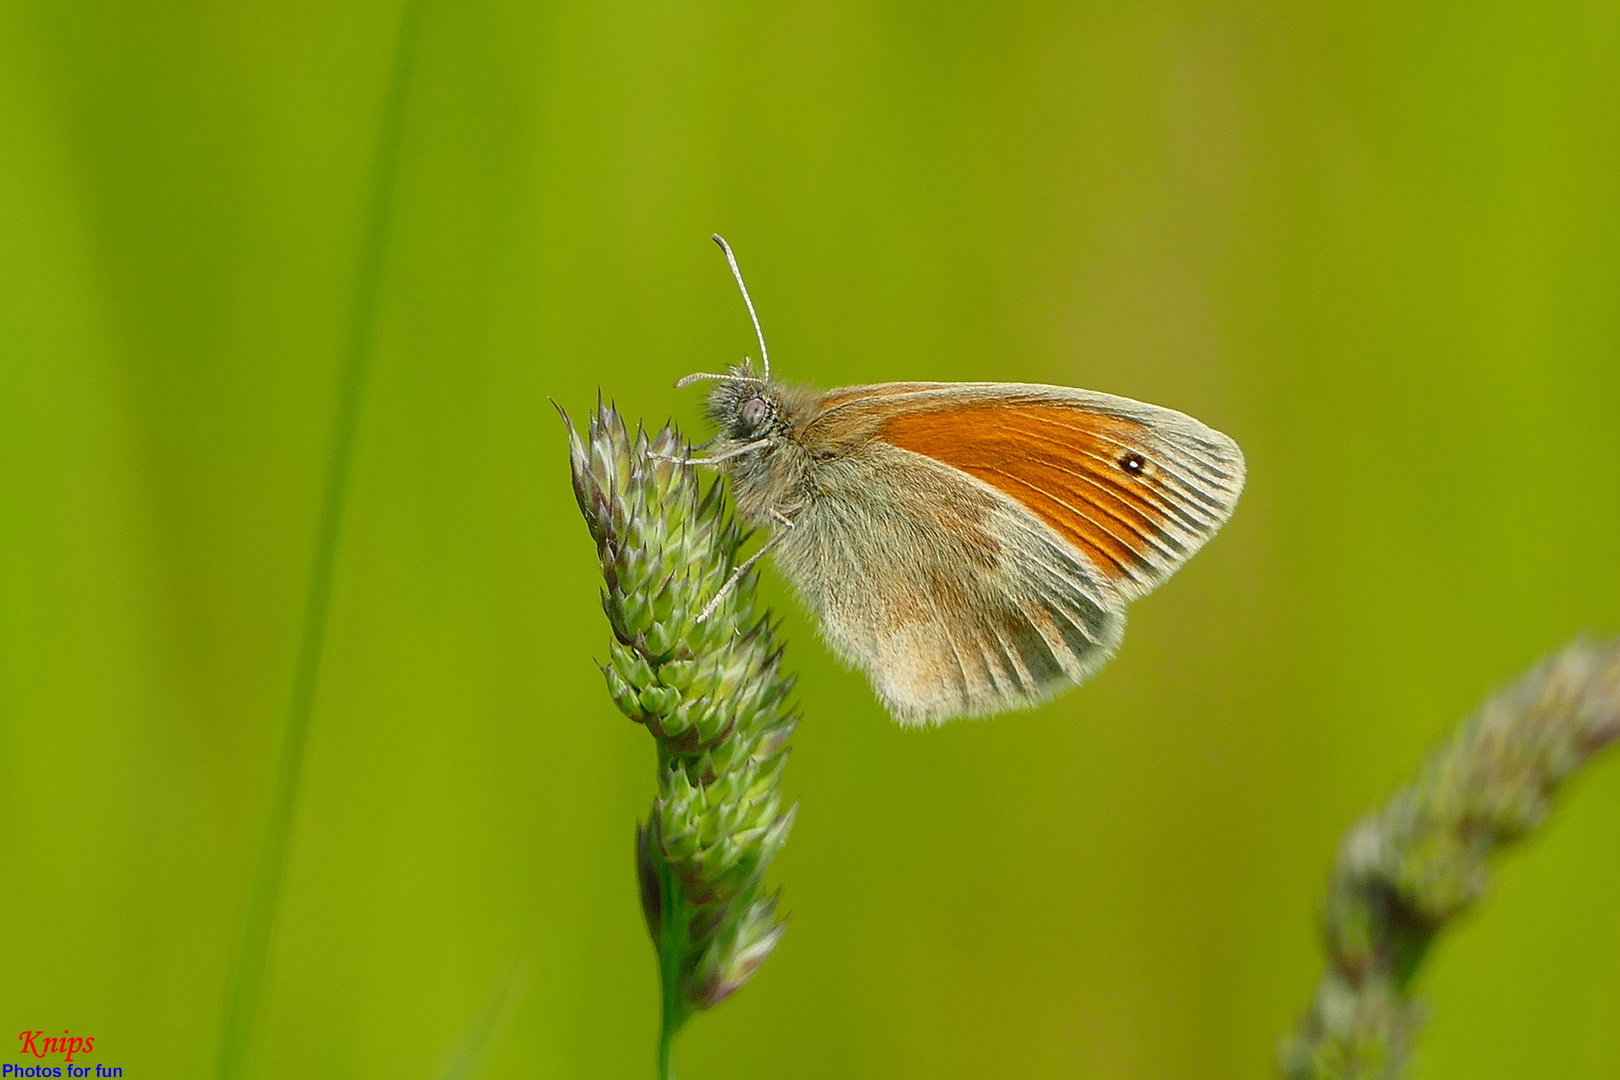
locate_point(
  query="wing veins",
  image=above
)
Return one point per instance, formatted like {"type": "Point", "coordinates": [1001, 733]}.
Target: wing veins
{"type": "Point", "coordinates": [1190, 485]}
{"type": "Point", "coordinates": [1173, 556]}
{"type": "Point", "coordinates": [1154, 501]}
{"type": "Point", "coordinates": [1123, 569]}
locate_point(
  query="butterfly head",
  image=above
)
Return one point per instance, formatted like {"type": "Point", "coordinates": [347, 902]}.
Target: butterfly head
{"type": "Point", "coordinates": [756, 420]}
{"type": "Point", "coordinates": [743, 406]}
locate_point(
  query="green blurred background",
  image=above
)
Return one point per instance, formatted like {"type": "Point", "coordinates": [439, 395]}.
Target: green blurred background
{"type": "Point", "coordinates": [1378, 243]}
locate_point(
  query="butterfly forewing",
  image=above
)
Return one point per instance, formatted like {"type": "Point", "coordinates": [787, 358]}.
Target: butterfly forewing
{"type": "Point", "coordinates": [1135, 488]}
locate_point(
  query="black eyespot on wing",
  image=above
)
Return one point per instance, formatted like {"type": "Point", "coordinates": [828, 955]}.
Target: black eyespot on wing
{"type": "Point", "coordinates": [1133, 463]}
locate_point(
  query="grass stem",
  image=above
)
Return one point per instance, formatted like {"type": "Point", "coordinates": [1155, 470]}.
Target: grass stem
{"type": "Point", "coordinates": [671, 958]}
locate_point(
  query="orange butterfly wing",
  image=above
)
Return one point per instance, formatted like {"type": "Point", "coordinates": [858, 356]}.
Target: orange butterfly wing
{"type": "Point", "coordinates": [1135, 488]}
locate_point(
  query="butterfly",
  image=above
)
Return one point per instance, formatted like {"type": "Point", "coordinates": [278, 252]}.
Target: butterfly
{"type": "Point", "coordinates": [971, 546]}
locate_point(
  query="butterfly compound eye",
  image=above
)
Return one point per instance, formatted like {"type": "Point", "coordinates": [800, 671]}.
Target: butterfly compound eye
{"type": "Point", "coordinates": [1133, 463]}
{"type": "Point", "coordinates": [754, 411]}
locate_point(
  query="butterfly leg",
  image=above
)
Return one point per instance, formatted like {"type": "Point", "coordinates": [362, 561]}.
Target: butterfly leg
{"type": "Point", "coordinates": [747, 564]}
{"type": "Point", "coordinates": [736, 451]}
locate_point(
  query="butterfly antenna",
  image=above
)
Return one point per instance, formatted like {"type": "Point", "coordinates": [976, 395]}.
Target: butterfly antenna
{"type": "Point", "coordinates": [764, 357]}
{"type": "Point", "coordinates": [700, 376]}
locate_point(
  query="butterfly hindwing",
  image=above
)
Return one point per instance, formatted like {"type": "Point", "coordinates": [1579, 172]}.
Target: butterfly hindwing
{"type": "Point", "coordinates": [955, 600]}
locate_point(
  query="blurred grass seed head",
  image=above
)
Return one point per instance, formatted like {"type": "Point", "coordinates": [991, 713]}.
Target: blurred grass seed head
{"type": "Point", "coordinates": [1410, 869]}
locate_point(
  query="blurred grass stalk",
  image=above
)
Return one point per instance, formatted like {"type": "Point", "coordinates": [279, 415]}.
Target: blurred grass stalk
{"type": "Point", "coordinates": [247, 980]}
{"type": "Point", "coordinates": [714, 698]}
{"type": "Point", "coordinates": [471, 1054]}
{"type": "Point", "coordinates": [1407, 871]}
